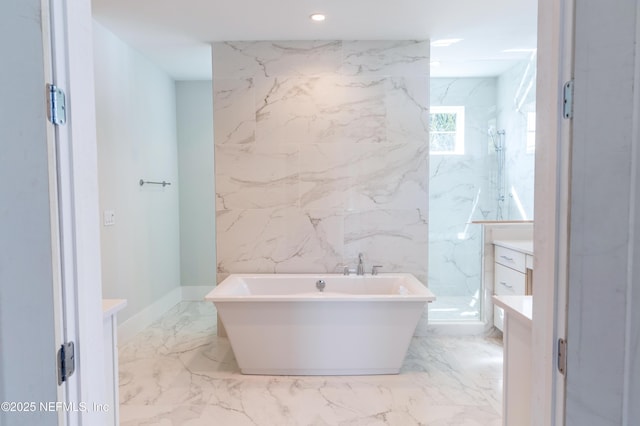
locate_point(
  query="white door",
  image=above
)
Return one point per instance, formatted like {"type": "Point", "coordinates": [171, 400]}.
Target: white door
{"type": "Point", "coordinates": [77, 196]}
{"type": "Point", "coordinates": [587, 238]}
{"type": "Point", "coordinates": [62, 201]}
{"type": "Point", "coordinates": [30, 285]}
{"type": "Point", "coordinates": [49, 236]}
{"type": "Point", "coordinates": [603, 325]}
{"type": "Point", "coordinates": [552, 215]}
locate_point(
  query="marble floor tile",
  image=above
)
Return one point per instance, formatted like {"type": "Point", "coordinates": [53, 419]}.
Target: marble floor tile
{"type": "Point", "coordinates": [178, 372]}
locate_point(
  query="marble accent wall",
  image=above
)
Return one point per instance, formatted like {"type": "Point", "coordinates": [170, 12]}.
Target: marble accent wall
{"type": "Point", "coordinates": [321, 152]}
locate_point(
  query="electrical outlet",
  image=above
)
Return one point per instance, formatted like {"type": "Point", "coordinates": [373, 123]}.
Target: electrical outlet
{"type": "Point", "coordinates": [109, 218]}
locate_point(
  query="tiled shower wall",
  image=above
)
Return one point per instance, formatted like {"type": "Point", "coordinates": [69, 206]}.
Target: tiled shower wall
{"type": "Point", "coordinates": [321, 152]}
{"type": "Point", "coordinates": [516, 98]}
{"type": "Point", "coordinates": [462, 190]}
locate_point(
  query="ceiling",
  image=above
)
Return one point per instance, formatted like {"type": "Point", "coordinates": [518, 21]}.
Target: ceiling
{"type": "Point", "coordinates": [175, 34]}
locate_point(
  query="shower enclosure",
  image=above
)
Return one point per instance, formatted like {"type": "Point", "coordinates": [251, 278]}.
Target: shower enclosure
{"type": "Point", "coordinates": [482, 136]}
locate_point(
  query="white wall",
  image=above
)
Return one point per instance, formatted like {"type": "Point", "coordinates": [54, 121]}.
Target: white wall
{"type": "Point", "coordinates": [197, 192]}
{"type": "Point", "coordinates": [136, 130]}
{"type": "Point", "coordinates": [27, 345]}
{"type": "Point", "coordinates": [603, 327]}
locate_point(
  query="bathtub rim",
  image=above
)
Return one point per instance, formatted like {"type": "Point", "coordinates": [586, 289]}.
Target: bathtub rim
{"type": "Point", "coordinates": [419, 292]}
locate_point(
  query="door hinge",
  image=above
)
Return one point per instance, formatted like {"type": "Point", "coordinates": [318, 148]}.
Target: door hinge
{"type": "Point", "coordinates": [57, 105]}
{"type": "Point", "coordinates": [66, 362]}
{"type": "Point", "coordinates": [567, 100]}
{"type": "Point", "coordinates": [562, 356]}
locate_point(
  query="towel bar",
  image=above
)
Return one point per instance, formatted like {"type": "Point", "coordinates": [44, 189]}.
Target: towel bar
{"type": "Point", "coordinates": [163, 183]}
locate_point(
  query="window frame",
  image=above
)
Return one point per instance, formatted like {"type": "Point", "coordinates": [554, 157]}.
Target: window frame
{"type": "Point", "coordinates": [459, 111]}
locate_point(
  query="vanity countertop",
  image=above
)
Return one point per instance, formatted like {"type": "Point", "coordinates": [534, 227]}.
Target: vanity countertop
{"type": "Point", "coordinates": [518, 306]}
{"type": "Point", "coordinates": [524, 246]}
{"type": "Point", "coordinates": [111, 306]}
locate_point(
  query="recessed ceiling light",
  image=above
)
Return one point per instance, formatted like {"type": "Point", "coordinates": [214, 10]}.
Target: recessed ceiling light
{"type": "Point", "coordinates": [445, 42]}
{"type": "Point", "coordinates": [318, 17]}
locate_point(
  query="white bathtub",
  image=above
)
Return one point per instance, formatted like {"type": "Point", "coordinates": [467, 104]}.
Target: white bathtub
{"type": "Point", "coordinates": [281, 324]}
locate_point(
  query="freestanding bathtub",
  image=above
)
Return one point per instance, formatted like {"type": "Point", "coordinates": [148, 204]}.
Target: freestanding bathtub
{"type": "Point", "coordinates": [282, 324]}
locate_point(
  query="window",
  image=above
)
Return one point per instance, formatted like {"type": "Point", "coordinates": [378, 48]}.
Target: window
{"type": "Point", "coordinates": [446, 130]}
{"type": "Point", "coordinates": [531, 133]}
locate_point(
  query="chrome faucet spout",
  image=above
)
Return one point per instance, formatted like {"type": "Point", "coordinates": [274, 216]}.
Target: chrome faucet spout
{"type": "Point", "coordinates": [360, 264]}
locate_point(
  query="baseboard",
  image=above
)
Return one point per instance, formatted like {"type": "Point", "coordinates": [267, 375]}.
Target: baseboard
{"type": "Point", "coordinates": [157, 309]}
{"type": "Point", "coordinates": [195, 292]}
{"type": "Point", "coordinates": [149, 315]}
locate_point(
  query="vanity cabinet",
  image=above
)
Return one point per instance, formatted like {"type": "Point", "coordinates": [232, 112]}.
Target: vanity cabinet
{"type": "Point", "coordinates": [517, 378]}
{"type": "Point", "coordinates": [512, 273]}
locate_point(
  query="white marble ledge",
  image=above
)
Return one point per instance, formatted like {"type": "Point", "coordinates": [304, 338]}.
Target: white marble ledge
{"type": "Point", "coordinates": [517, 306]}
{"type": "Point", "coordinates": [112, 306]}
{"type": "Point", "coordinates": [524, 246]}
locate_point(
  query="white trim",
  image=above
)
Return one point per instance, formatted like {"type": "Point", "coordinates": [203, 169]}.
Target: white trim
{"type": "Point", "coordinates": [72, 68]}
{"type": "Point", "coordinates": [58, 306]}
{"type": "Point", "coordinates": [148, 315]}
{"type": "Point", "coordinates": [460, 128]}
{"type": "Point", "coordinates": [555, 66]}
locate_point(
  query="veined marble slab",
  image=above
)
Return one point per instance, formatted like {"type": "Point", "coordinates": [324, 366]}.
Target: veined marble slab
{"type": "Point", "coordinates": [321, 150]}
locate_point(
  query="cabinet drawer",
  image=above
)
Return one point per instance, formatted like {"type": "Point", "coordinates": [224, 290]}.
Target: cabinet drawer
{"type": "Point", "coordinates": [511, 258]}
{"type": "Point", "coordinates": [509, 281]}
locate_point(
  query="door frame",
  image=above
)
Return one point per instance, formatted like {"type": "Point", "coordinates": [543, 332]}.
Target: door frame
{"type": "Point", "coordinates": [71, 68]}
{"type": "Point", "coordinates": [65, 392]}
{"type": "Point", "coordinates": [552, 213]}
{"type": "Point", "coordinates": [555, 39]}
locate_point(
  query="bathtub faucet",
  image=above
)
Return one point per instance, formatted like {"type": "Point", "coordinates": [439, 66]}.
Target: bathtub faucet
{"type": "Point", "coordinates": [346, 270]}
{"type": "Point", "coordinates": [360, 264]}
